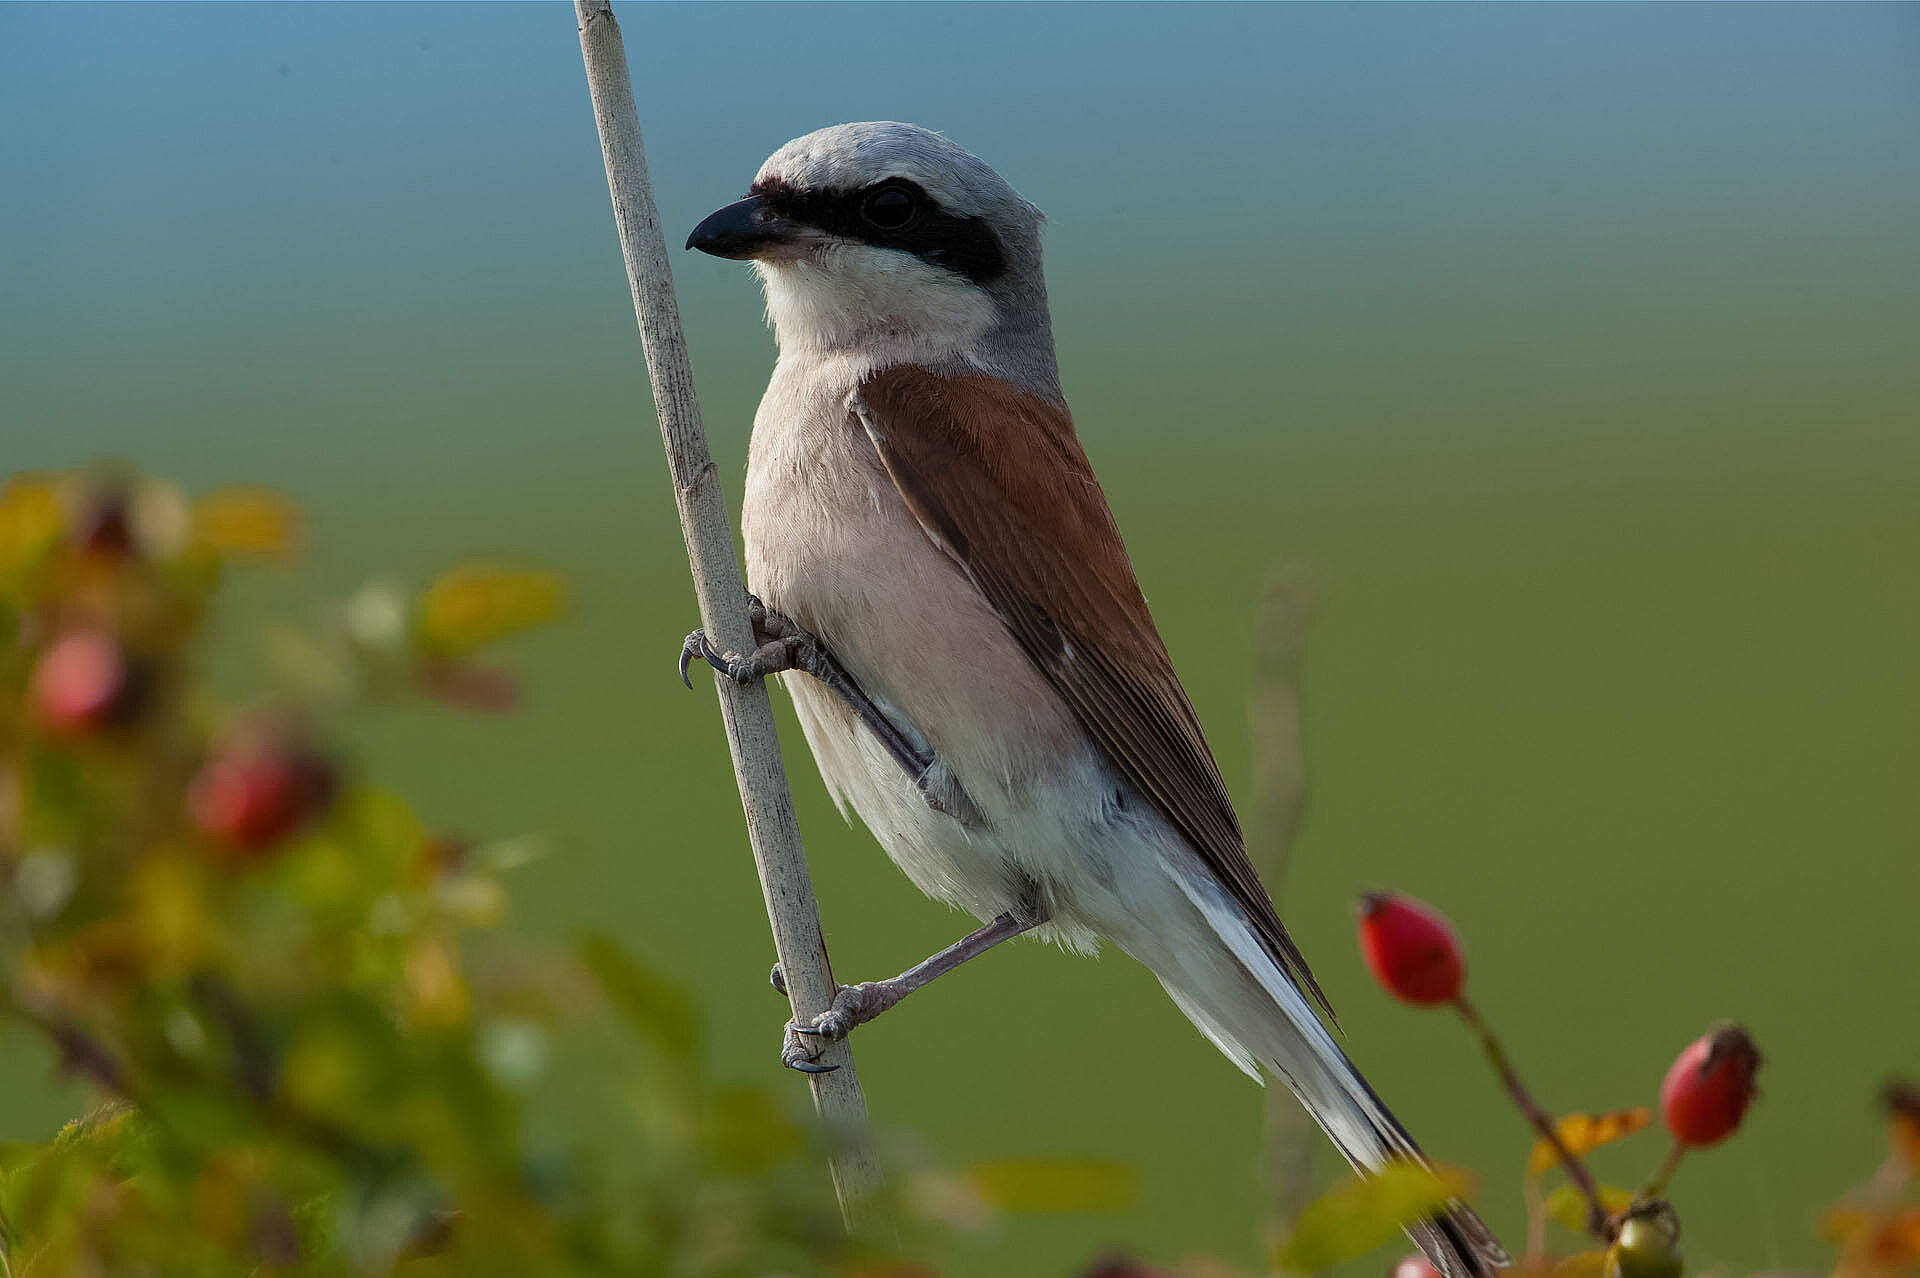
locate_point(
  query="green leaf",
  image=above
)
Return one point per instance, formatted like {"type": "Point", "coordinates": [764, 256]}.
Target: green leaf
{"type": "Point", "coordinates": [1360, 1213]}
{"type": "Point", "coordinates": [1057, 1184]}
{"type": "Point", "coordinates": [651, 1004]}
{"type": "Point", "coordinates": [746, 1133]}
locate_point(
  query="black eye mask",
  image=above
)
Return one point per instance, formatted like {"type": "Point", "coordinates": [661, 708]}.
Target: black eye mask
{"type": "Point", "coordinates": [894, 214]}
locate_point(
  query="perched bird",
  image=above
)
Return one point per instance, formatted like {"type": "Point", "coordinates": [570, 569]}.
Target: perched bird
{"type": "Point", "coordinates": [978, 674]}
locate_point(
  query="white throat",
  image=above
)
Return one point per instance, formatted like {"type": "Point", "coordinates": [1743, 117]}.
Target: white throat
{"type": "Point", "coordinates": [849, 297]}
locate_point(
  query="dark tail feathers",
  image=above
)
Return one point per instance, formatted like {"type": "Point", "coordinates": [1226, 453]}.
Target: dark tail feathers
{"type": "Point", "coordinates": [1459, 1243]}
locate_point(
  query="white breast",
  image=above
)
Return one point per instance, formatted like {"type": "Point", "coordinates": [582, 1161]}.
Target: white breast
{"type": "Point", "coordinates": [830, 543]}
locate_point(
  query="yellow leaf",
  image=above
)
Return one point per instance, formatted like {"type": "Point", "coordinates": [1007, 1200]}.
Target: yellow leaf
{"type": "Point", "coordinates": [246, 521]}
{"type": "Point", "coordinates": [1567, 1206]}
{"type": "Point", "coordinates": [1582, 1133]}
{"type": "Point", "coordinates": [436, 996]}
{"type": "Point", "coordinates": [1884, 1240]}
{"type": "Point", "coordinates": [1360, 1213]}
{"type": "Point", "coordinates": [476, 604]}
{"type": "Point", "coordinates": [1057, 1184]}
{"type": "Point", "coordinates": [30, 520]}
{"type": "Point", "coordinates": [1585, 1264]}
{"type": "Point", "coordinates": [1844, 1224]}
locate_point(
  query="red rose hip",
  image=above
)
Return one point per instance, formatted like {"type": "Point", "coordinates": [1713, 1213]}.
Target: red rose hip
{"type": "Point", "coordinates": [1411, 949]}
{"type": "Point", "coordinates": [1707, 1091]}
{"type": "Point", "coordinates": [249, 798]}
{"type": "Point", "coordinates": [82, 682]}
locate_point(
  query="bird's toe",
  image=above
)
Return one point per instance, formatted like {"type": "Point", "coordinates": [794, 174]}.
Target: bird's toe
{"type": "Point", "coordinates": [797, 1055]}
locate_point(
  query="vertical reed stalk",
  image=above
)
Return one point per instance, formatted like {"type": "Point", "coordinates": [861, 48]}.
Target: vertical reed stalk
{"type": "Point", "coordinates": [746, 711]}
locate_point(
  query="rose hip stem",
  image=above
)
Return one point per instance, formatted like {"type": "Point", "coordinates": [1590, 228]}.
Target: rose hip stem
{"type": "Point", "coordinates": [1542, 1122]}
{"type": "Point", "coordinates": [1661, 1177]}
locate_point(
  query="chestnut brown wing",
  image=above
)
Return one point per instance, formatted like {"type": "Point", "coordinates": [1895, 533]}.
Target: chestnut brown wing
{"type": "Point", "coordinates": [998, 480]}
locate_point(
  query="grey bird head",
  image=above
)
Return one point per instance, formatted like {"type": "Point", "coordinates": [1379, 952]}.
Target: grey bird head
{"type": "Point", "coordinates": [888, 239]}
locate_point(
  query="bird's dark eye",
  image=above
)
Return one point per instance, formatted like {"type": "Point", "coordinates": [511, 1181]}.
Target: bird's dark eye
{"type": "Point", "coordinates": [889, 209]}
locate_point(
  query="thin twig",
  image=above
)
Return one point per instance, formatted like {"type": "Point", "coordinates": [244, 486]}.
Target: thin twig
{"type": "Point", "coordinates": [746, 711]}
{"type": "Point", "coordinates": [1279, 772]}
{"type": "Point", "coordinates": [1273, 727]}
{"type": "Point", "coordinates": [1536, 1221]}
{"type": "Point", "coordinates": [1542, 1121]}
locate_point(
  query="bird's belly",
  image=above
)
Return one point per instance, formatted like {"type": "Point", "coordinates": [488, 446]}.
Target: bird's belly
{"type": "Point", "coordinates": [944, 858]}
{"type": "Point", "coordinates": [1058, 842]}
{"type": "Point", "coordinates": [832, 546]}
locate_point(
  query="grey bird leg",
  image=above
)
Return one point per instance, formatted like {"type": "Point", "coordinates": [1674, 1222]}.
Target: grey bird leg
{"type": "Point", "coordinates": [858, 1004]}
{"type": "Point", "coordinates": [784, 645]}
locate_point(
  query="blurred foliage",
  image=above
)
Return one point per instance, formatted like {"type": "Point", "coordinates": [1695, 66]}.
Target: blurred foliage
{"type": "Point", "coordinates": [263, 963]}
{"type": "Point", "coordinates": [1358, 1215]}
{"type": "Point", "coordinates": [311, 1043]}
{"type": "Point", "coordinates": [1877, 1225]}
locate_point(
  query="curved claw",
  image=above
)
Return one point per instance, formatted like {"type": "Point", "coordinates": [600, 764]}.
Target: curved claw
{"type": "Point", "coordinates": [778, 979]}
{"type": "Point", "coordinates": [749, 669]}
{"type": "Point", "coordinates": [694, 646]}
{"type": "Point", "coordinates": [832, 1025]}
{"type": "Point", "coordinates": [794, 1054]}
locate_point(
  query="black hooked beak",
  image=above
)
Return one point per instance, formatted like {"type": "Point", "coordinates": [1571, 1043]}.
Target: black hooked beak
{"type": "Point", "coordinates": [749, 229]}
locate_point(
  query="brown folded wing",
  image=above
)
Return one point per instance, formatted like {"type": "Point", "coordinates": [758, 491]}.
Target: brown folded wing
{"type": "Point", "coordinates": [997, 479]}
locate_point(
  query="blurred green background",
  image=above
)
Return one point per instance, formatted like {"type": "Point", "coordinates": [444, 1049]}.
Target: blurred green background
{"type": "Point", "coordinates": [1571, 351]}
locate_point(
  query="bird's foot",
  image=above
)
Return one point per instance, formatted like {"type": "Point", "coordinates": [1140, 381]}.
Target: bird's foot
{"type": "Point", "coordinates": [780, 644]}
{"type": "Point", "coordinates": [783, 644]}
{"type": "Point", "coordinates": [796, 1054]}
{"type": "Point", "coordinates": [857, 1004]}
{"type": "Point", "coordinates": [801, 1045]}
